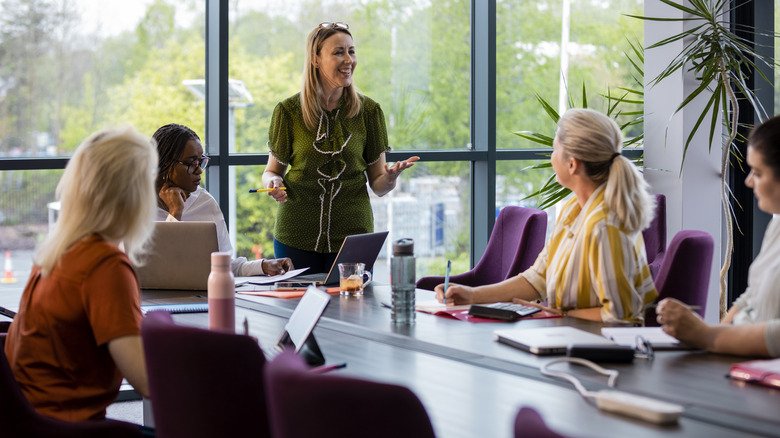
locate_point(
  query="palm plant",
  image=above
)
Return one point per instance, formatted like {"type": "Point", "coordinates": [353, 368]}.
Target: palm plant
{"type": "Point", "coordinates": [722, 62]}
{"type": "Point", "coordinates": [626, 102]}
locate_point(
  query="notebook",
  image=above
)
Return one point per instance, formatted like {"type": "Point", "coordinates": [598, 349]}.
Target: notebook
{"type": "Point", "coordinates": [548, 340]}
{"type": "Point", "coordinates": [764, 372]}
{"type": "Point", "coordinates": [358, 248]}
{"type": "Point", "coordinates": [179, 256]}
{"type": "Point", "coordinates": [655, 336]}
{"type": "Point", "coordinates": [176, 308]}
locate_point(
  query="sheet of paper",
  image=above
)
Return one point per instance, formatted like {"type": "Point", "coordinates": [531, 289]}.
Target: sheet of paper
{"type": "Point", "coordinates": [433, 306]}
{"type": "Point", "coordinates": [283, 293]}
{"type": "Point", "coordinates": [263, 279]}
{"type": "Point", "coordinates": [627, 335]}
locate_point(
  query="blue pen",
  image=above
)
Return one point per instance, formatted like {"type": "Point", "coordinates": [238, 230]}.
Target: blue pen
{"type": "Point", "coordinates": [446, 281]}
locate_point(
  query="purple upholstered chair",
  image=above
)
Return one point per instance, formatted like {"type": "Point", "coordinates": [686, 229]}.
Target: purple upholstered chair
{"type": "Point", "coordinates": [306, 404]}
{"type": "Point", "coordinates": [203, 383]}
{"type": "Point", "coordinates": [528, 423]}
{"type": "Point", "coordinates": [685, 272]}
{"type": "Point", "coordinates": [18, 419]}
{"type": "Point", "coordinates": [655, 237]}
{"type": "Point", "coordinates": [516, 240]}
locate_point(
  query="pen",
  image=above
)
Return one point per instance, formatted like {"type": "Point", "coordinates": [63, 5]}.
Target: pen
{"type": "Point", "coordinates": [446, 281]}
{"type": "Point", "coordinates": [246, 326]}
{"type": "Point", "coordinates": [266, 190]}
{"type": "Point", "coordinates": [328, 368]}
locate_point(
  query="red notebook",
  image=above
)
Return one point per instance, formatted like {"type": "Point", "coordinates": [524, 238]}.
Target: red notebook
{"type": "Point", "coordinates": [763, 372]}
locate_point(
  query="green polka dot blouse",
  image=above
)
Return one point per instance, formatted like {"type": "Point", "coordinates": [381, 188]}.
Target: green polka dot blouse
{"type": "Point", "coordinates": [327, 196]}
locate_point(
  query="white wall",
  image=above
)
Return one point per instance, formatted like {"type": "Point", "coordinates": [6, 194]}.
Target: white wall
{"type": "Point", "coordinates": [693, 198]}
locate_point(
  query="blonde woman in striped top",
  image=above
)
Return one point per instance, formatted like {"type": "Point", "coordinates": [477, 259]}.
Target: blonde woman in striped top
{"type": "Point", "coordinates": [594, 266]}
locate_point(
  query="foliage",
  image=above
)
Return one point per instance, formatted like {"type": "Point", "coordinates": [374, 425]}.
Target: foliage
{"type": "Point", "coordinates": [414, 58]}
{"type": "Point", "coordinates": [623, 104]}
{"type": "Point", "coordinates": [721, 61]}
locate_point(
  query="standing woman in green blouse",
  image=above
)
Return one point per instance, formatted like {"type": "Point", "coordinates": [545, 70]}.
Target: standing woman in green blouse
{"type": "Point", "coordinates": [333, 140]}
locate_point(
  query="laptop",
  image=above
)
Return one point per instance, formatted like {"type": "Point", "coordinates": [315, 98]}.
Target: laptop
{"type": "Point", "coordinates": [358, 248]}
{"type": "Point", "coordinates": [548, 340]}
{"type": "Point", "coordinates": [179, 256]}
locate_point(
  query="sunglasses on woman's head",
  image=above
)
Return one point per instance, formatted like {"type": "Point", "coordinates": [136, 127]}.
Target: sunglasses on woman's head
{"type": "Point", "coordinates": [336, 25]}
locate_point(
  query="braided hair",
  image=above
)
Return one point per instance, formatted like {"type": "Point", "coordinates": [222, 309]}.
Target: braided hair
{"type": "Point", "coordinates": [171, 140]}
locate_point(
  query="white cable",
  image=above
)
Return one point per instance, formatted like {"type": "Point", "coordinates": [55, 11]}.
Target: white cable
{"type": "Point", "coordinates": [612, 374]}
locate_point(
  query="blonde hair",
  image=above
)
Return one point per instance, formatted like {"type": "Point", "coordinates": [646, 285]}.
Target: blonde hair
{"type": "Point", "coordinates": [596, 141]}
{"type": "Point", "coordinates": [107, 189]}
{"type": "Point", "coordinates": [311, 89]}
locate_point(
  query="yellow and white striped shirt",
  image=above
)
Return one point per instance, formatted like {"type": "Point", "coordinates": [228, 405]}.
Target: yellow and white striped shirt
{"type": "Point", "coordinates": [591, 261]}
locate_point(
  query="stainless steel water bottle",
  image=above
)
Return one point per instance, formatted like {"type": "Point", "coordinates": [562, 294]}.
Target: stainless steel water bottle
{"type": "Point", "coordinates": [402, 281]}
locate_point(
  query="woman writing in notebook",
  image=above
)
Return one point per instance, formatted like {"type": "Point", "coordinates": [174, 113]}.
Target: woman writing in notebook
{"type": "Point", "coordinates": [333, 140]}
{"type": "Point", "coordinates": [78, 330]}
{"type": "Point", "coordinates": [180, 197]}
{"type": "Point", "coordinates": [594, 265]}
{"type": "Point", "coordinates": [752, 325]}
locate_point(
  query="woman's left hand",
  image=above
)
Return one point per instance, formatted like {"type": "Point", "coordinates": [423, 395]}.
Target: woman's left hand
{"type": "Point", "coordinates": [395, 170]}
{"type": "Point", "coordinates": [277, 266]}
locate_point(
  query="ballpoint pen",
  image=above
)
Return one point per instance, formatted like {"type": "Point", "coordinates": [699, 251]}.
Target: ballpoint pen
{"type": "Point", "coordinates": [446, 281]}
{"type": "Point", "coordinates": [266, 190]}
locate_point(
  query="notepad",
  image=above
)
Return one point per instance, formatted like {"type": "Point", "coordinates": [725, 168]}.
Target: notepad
{"type": "Point", "coordinates": [655, 336]}
{"type": "Point", "coordinates": [176, 308]}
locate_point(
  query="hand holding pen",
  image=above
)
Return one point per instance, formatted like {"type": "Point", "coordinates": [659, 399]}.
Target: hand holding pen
{"type": "Point", "coordinates": [446, 281]}
{"type": "Point", "coordinates": [275, 189]}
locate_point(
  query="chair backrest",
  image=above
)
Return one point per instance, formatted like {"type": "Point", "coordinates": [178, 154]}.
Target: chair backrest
{"type": "Point", "coordinates": [18, 418]}
{"type": "Point", "coordinates": [203, 383]}
{"type": "Point", "coordinates": [655, 236]}
{"type": "Point", "coordinates": [517, 239]}
{"type": "Point", "coordinates": [685, 272]}
{"type": "Point", "coordinates": [306, 404]}
{"type": "Point", "coordinates": [528, 423]}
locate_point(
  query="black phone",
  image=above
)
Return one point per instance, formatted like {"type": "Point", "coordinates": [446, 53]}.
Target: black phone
{"type": "Point", "coordinates": [502, 311]}
{"type": "Point", "coordinates": [602, 353]}
{"type": "Point", "coordinates": [293, 285]}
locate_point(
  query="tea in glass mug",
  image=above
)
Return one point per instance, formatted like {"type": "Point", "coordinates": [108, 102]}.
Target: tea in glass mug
{"type": "Point", "coordinates": [351, 278]}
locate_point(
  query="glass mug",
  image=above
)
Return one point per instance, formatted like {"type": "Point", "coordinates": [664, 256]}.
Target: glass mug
{"type": "Point", "coordinates": [352, 277]}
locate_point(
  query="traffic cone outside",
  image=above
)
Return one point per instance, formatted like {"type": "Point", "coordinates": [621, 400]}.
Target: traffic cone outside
{"type": "Point", "coordinates": [8, 277]}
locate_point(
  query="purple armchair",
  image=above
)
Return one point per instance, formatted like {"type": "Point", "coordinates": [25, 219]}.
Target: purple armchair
{"type": "Point", "coordinates": [528, 423]}
{"type": "Point", "coordinates": [306, 404]}
{"type": "Point", "coordinates": [18, 419]}
{"type": "Point", "coordinates": [685, 272]}
{"type": "Point", "coordinates": [516, 240]}
{"type": "Point", "coordinates": [655, 237]}
{"type": "Point", "coordinates": [203, 383]}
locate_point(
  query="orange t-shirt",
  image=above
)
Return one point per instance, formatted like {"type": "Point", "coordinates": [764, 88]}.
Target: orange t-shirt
{"type": "Point", "coordinates": [57, 344]}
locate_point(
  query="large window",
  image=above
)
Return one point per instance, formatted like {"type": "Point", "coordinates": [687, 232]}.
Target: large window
{"type": "Point", "coordinates": [70, 67]}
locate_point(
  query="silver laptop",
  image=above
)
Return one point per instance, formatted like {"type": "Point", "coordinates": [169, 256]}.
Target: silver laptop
{"type": "Point", "coordinates": [548, 340]}
{"type": "Point", "coordinates": [358, 248]}
{"type": "Point", "coordinates": [180, 256]}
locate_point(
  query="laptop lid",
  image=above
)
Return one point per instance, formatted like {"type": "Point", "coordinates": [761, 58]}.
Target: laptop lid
{"type": "Point", "coordinates": [358, 248]}
{"type": "Point", "coordinates": [179, 256]}
{"type": "Point", "coordinates": [548, 340]}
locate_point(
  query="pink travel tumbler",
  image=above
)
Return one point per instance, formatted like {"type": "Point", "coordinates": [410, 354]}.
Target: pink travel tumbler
{"type": "Point", "coordinates": [221, 290]}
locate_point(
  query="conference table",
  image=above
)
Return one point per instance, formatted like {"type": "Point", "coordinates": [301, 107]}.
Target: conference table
{"type": "Point", "coordinates": [472, 386]}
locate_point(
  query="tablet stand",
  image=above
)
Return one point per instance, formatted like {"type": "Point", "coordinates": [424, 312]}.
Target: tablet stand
{"type": "Point", "coordinates": [309, 351]}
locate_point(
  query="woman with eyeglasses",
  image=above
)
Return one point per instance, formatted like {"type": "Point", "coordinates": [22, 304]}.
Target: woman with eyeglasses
{"type": "Point", "coordinates": [752, 325]}
{"type": "Point", "coordinates": [78, 330]}
{"type": "Point", "coordinates": [325, 143]}
{"type": "Point", "coordinates": [180, 197]}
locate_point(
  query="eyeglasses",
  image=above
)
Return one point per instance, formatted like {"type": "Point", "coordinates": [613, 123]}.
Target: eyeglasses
{"type": "Point", "coordinates": [201, 162]}
{"type": "Point", "coordinates": [336, 25]}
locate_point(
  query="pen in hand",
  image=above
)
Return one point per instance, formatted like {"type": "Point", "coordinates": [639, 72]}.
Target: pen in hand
{"type": "Point", "coordinates": [446, 282]}
{"type": "Point", "coordinates": [266, 190]}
